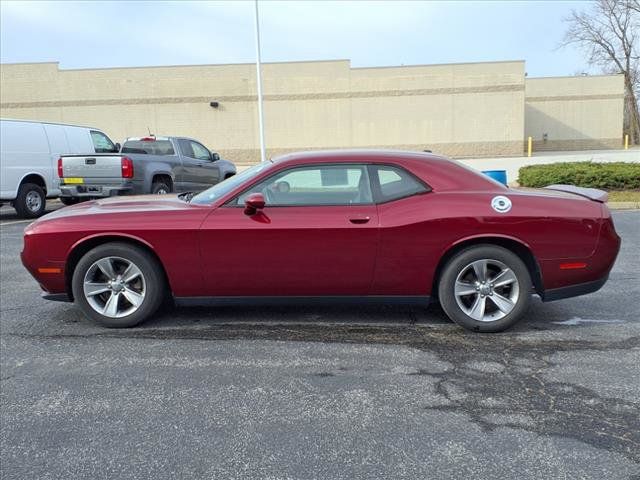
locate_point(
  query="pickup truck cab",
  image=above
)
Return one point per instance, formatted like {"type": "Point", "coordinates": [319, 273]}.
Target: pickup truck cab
{"type": "Point", "coordinates": [144, 165]}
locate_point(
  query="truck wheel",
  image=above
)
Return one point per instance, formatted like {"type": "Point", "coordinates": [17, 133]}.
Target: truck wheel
{"type": "Point", "coordinates": [31, 201]}
{"type": "Point", "coordinates": [69, 200]}
{"type": "Point", "coordinates": [160, 188]}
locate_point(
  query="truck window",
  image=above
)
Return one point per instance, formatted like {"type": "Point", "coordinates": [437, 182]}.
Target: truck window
{"type": "Point", "coordinates": [102, 143]}
{"type": "Point", "coordinates": [195, 150]}
{"type": "Point", "coordinates": [153, 147]}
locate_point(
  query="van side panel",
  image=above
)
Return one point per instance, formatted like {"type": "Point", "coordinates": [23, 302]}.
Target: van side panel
{"type": "Point", "coordinates": [24, 150]}
{"type": "Point", "coordinates": [58, 146]}
{"type": "Point", "coordinates": [79, 140]}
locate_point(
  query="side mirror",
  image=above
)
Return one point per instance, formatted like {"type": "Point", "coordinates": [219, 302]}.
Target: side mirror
{"type": "Point", "coordinates": [253, 203]}
{"type": "Point", "coordinates": [117, 147]}
{"type": "Point", "coordinates": [215, 157]}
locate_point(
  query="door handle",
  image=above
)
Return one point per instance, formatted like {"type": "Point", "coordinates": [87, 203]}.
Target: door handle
{"type": "Point", "coordinates": [360, 220]}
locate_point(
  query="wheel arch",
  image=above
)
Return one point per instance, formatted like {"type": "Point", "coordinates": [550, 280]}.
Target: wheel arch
{"type": "Point", "coordinates": [81, 247]}
{"type": "Point", "coordinates": [163, 176]}
{"type": "Point", "coordinates": [521, 249]}
{"type": "Point", "coordinates": [36, 179]}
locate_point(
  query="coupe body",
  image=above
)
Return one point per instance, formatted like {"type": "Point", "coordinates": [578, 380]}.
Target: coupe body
{"type": "Point", "coordinates": [381, 226]}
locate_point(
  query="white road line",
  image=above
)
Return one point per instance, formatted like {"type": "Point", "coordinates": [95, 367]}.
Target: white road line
{"type": "Point", "coordinates": [16, 222]}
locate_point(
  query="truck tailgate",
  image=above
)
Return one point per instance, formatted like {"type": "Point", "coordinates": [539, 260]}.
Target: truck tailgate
{"type": "Point", "coordinates": [89, 168]}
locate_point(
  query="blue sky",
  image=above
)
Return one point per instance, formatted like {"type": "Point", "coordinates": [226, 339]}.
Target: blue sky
{"type": "Point", "coordinates": [111, 34]}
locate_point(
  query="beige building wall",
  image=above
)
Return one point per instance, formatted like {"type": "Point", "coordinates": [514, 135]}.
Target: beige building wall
{"type": "Point", "coordinates": [575, 113]}
{"type": "Point", "coordinates": [461, 110]}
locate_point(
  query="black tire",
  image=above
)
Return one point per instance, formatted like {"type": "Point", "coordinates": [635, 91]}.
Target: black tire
{"type": "Point", "coordinates": [160, 187]}
{"type": "Point", "coordinates": [519, 291]}
{"type": "Point", "coordinates": [69, 200]}
{"type": "Point", "coordinates": [155, 285]}
{"type": "Point", "coordinates": [31, 201]}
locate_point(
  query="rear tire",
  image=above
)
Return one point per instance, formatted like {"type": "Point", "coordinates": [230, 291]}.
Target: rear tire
{"type": "Point", "coordinates": [118, 285]}
{"type": "Point", "coordinates": [485, 288]}
{"type": "Point", "coordinates": [161, 187]}
{"type": "Point", "coordinates": [31, 201]}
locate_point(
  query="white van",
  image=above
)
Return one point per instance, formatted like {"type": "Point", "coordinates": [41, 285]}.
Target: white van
{"type": "Point", "coordinates": [29, 153]}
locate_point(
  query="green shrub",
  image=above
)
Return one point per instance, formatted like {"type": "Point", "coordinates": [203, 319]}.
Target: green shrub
{"type": "Point", "coordinates": [606, 176]}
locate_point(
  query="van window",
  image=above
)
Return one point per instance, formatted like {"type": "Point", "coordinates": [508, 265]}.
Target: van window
{"type": "Point", "coordinates": [102, 143]}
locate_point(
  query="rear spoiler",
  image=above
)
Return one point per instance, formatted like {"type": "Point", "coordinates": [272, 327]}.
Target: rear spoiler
{"type": "Point", "coordinates": [590, 193]}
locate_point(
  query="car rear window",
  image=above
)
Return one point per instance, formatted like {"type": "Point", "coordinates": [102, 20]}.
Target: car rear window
{"type": "Point", "coordinates": [154, 147]}
{"type": "Point", "coordinates": [394, 183]}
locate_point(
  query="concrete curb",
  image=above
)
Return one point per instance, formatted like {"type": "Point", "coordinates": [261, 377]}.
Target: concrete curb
{"type": "Point", "coordinates": [623, 205]}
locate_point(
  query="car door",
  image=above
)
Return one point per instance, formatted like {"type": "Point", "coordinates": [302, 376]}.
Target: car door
{"type": "Point", "coordinates": [198, 168]}
{"type": "Point", "coordinates": [316, 236]}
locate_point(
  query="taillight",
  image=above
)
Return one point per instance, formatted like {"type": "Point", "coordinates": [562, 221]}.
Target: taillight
{"type": "Point", "coordinates": [60, 174]}
{"type": "Point", "coordinates": [127, 167]}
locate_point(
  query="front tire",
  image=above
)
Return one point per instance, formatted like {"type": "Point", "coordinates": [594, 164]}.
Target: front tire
{"type": "Point", "coordinates": [485, 288]}
{"type": "Point", "coordinates": [118, 285]}
{"type": "Point", "coordinates": [31, 201]}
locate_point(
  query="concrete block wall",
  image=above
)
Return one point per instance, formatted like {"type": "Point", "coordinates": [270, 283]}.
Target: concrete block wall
{"type": "Point", "coordinates": [575, 113]}
{"type": "Point", "coordinates": [460, 110]}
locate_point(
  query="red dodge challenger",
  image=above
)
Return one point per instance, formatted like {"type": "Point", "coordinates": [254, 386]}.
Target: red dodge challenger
{"type": "Point", "coordinates": [380, 226]}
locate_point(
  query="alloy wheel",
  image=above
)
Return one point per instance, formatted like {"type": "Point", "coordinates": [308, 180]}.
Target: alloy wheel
{"type": "Point", "coordinates": [114, 287]}
{"type": "Point", "coordinates": [487, 290]}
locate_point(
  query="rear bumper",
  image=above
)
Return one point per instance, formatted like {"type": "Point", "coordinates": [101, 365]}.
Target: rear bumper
{"type": "Point", "coordinates": [95, 191]}
{"type": "Point", "coordinates": [56, 297]}
{"type": "Point", "coordinates": [573, 290]}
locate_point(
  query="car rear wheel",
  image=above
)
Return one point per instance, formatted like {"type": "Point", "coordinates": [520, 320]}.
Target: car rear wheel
{"type": "Point", "coordinates": [485, 288]}
{"type": "Point", "coordinates": [31, 201]}
{"type": "Point", "coordinates": [118, 285]}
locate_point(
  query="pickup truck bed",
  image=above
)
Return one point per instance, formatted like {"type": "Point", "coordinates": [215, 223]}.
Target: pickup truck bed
{"type": "Point", "coordinates": [145, 165]}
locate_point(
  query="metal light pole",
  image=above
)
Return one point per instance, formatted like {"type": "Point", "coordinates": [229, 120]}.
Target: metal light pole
{"type": "Point", "coordinates": [263, 155]}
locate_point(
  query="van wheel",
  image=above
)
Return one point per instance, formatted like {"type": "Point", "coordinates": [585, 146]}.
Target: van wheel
{"type": "Point", "coordinates": [31, 201]}
{"type": "Point", "coordinates": [160, 188]}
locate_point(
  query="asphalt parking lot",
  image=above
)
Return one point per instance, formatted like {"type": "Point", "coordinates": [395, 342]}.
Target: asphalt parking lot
{"type": "Point", "coordinates": [321, 392]}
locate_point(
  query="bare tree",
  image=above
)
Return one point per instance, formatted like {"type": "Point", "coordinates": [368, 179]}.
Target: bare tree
{"type": "Point", "coordinates": [610, 35]}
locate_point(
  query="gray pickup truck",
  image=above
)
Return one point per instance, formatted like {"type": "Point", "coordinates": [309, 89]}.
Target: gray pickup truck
{"type": "Point", "coordinates": [143, 165]}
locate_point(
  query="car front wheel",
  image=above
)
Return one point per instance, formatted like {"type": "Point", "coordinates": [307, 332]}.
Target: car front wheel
{"type": "Point", "coordinates": [485, 288]}
{"type": "Point", "coordinates": [118, 285]}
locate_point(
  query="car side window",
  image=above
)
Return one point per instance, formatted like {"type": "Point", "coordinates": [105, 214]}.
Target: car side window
{"type": "Point", "coordinates": [102, 143]}
{"type": "Point", "coordinates": [392, 183]}
{"type": "Point", "coordinates": [315, 185]}
{"type": "Point", "coordinates": [200, 152]}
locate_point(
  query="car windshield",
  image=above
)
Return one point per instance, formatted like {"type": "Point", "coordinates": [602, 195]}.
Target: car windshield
{"type": "Point", "coordinates": [219, 190]}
